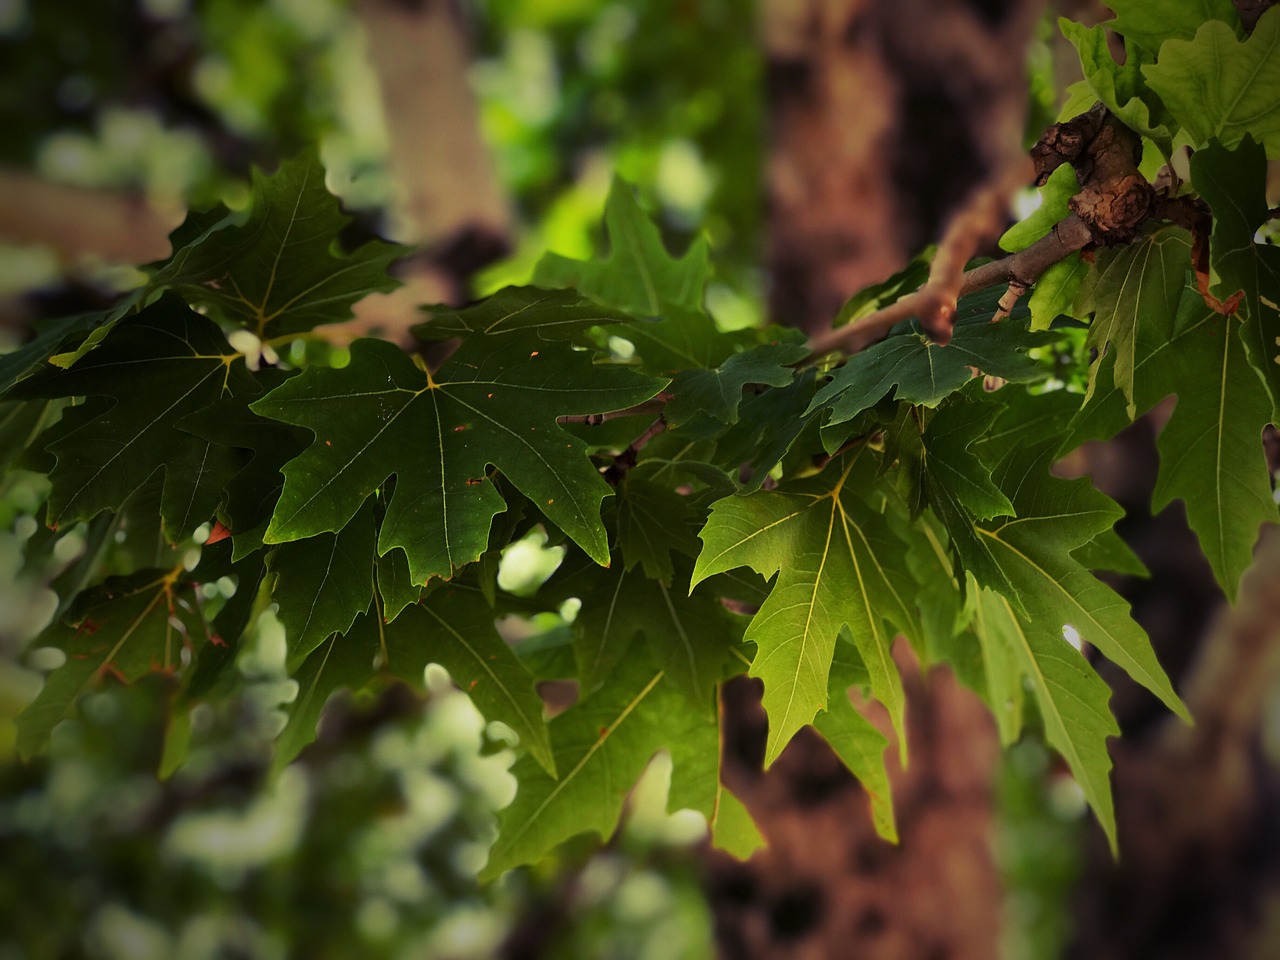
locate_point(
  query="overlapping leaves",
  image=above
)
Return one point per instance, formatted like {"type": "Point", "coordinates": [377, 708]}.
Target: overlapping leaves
{"type": "Point", "coordinates": [910, 367]}
{"type": "Point", "coordinates": [278, 272]}
{"type": "Point", "coordinates": [838, 566]}
{"type": "Point", "coordinates": [491, 406]}
{"type": "Point", "coordinates": [154, 370]}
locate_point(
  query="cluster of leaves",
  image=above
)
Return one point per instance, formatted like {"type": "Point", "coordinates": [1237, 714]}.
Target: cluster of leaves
{"type": "Point", "coordinates": [724, 500]}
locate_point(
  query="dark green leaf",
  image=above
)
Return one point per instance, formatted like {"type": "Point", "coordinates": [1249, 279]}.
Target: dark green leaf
{"type": "Point", "coordinates": [382, 416]}
{"type": "Point", "coordinates": [1233, 183]}
{"type": "Point", "coordinates": [912, 368]}
{"type": "Point", "coordinates": [324, 582]}
{"type": "Point", "coordinates": [156, 368]}
{"type": "Point", "coordinates": [638, 275]}
{"type": "Point", "coordinates": [278, 273]}
{"type": "Point", "coordinates": [856, 741]}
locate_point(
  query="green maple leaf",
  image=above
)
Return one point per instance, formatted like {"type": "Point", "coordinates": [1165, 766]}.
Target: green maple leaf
{"type": "Point", "coordinates": [955, 482]}
{"type": "Point", "coordinates": [1125, 88]}
{"type": "Point", "coordinates": [251, 495]}
{"type": "Point", "coordinates": [1033, 552]}
{"type": "Point", "coordinates": [879, 295]}
{"type": "Point", "coordinates": [1073, 701]}
{"type": "Point", "coordinates": [732, 829]}
{"type": "Point", "coordinates": [1056, 291]}
{"type": "Point", "coordinates": [21, 422]}
{"type": "Point", "coordinates": [999, 636]}
{"type": "Point", "coordinates": [1211, 454]}
{"type": "Point", "coordinates": [277, 273]}
{"type": "Point", "coordinates": [519, 313]}
{"type": "Point", "coordinates": [855, 739]}
{"type": "Point", "coordinates": [1220, 88]}
{"type": "Point", "coordinates": [1233, 183]}
{"type": "Point", "coordinates": [154, 369]}
{"type": "Point", "coordinates": [716, 393]}
{"type": "Point", "coordinates": [1107, 551]}
{"type": "Point", "coordinates": [653, 521]}
{"type": "Point", "coordinates": [691, 639]}
{"type": "Point", "coordinates": [382, 415]}
{"type": "Point", "coordinates": [638, 275]}
{"type": "Point", "coordinates": [341, 662]}
{"type": "Point", "coordinates": [837, 565]}
{"type": "Point", "coordinates": [51, 336]}
{"type": "Point", "coordinates": [126, 627]}
{"type": "Point", "coordinates": [1151, 24]}
{"type": "Point", "coordinates": [602, 745]}
{"type": "Point", "coordinates": [1129, 286]}
{"type": "Point", "coordinates": [450, 627]}
{"type": "Point", "coordinates": [324, 582]}
{"type": "Point", "coordinates": [910, 367]}
{"type": "Point", "coordinates": [769, 424]}
{"type": "Point", "coordinates": [1061, 186]}
{"type": "Point", "coordinates": [395, 586]}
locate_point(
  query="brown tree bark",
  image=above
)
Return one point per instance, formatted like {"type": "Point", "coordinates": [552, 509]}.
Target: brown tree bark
{"type": "Point", "coordinates": [890, 118]}
{"type": "Point", "coordinates": [894, 123]}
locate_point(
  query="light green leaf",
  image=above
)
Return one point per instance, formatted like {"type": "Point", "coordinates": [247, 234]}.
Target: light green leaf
{"type": "Point", "coordinates": [1073, 701]}
{"type": "Point", "coordinates": [690, 638]}
{"type": "Point", "coordinates": [1123, 88]}
{"type": "Point", "coordinates": [1107, 551]}
{"type": "Point", "coordinates": [638, 275]}
{"type": "Point", "coordinates": [1057, 190]}
{"type": "Point", "coordinates": [1130, 286]}
{"type": "Point", "coordinates": [1152, 23]}
{"type": "Point", "coordinates": [382, 415]}
{"type": "Point", "coordinates": [601, 746]}
{"type": "Point", "coordinates": [837, 565]}
{"type": "Point", "coordinates": [1055, 291]}
{"type": "Point", "coordinates": [1000, 635]}
{"type": "Point", "coordinates": [1033, 554]}
{"type": "Point", "coordinates": [1211, 453]}
{"type": "Point", "coordinates": [732, 829]}
{"type": "Point", "coordinates": [1219, 88]}
{"type": "Point", "coordinates": [856, 741]}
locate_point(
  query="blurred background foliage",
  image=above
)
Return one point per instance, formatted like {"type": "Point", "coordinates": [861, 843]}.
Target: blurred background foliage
{"type": "Point", "coordinates": [368, 846]}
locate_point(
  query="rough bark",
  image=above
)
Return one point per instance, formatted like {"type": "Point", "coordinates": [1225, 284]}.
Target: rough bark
{"type": "Point", "coordinates": [827, 885]}
{"type": "Point", "coordinates": [890, 119]}
{"type": "Point", "coordinates": [893, 123]}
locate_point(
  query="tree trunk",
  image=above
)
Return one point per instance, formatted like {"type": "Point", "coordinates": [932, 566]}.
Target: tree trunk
{"type": "Point", "coordinates": [892, 124]}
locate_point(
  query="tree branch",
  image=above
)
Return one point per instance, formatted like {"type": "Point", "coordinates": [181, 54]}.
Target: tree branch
{"type": "Point", "coordinates": [627, 458]}
{"type": "Point", "coordinates": [654, 405]}
{"type": "Point", "coordinates": [1023, 268]}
